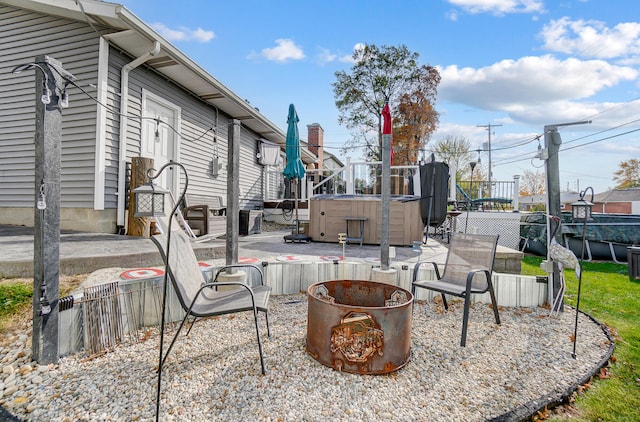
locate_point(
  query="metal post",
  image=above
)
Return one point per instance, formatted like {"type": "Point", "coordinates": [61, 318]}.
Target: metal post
{"type": "Point", "coordinates": [50, 84]}
{"type": "Point", "coordinates": [490, 175]}
{"type": "Point", "coordinates": [233, 192]}
{"type": "Point", "coordinates": [552, 142]}
{"type": "Point", "coordinates": [386, 197]}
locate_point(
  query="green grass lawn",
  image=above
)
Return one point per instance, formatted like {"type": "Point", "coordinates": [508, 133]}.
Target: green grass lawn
{"type": "Point", "coordinates": [15, 297]}
{"type": "Point", "coordinates": [609, 296]}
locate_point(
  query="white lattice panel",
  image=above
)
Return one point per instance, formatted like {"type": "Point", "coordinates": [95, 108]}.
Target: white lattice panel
{"type": "Point", "coordinates": [506, 224]}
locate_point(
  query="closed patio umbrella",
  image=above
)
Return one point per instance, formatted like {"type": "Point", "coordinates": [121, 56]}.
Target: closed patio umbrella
{"type": "Point", "coordinates": [294, 170]}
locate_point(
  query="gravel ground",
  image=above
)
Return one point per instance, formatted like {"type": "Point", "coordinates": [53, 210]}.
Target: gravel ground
{"type": "Point", "coordinates": [506, 372]}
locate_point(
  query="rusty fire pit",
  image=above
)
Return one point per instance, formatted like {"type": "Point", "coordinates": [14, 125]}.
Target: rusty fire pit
{"type": "Point", "coordinates": [358, 326]}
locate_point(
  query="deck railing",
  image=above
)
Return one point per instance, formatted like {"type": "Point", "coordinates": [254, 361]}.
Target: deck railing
{"type": "Point", "coordinates": [363, 178]}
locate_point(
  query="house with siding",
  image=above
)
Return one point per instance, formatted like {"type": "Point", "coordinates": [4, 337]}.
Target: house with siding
{"type": "Point", "coordinates": [138, 95]}
{"type": "Point", "coordinates": [323, 173]}
{"type": "Point", "coordinates": [616, 201]}
{"type": "Point", "coordinates": [539, 202]}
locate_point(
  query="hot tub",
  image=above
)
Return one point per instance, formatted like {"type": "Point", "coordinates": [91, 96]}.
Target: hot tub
{"type": "Point", "coordinates": [328, 213]}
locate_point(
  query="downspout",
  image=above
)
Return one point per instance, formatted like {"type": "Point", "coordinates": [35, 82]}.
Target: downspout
{"type": "Point", "coordinates": [124, 110]}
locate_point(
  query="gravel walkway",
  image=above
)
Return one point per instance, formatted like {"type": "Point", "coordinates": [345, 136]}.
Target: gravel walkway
{"type": "Point", "coordinates": [505, 372]}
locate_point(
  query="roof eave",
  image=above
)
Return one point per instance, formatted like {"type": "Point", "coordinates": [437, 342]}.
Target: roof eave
{"type": "Point", "coordinates": [121, 19]}
{"type": "Point", "coordinates": [263, 126]}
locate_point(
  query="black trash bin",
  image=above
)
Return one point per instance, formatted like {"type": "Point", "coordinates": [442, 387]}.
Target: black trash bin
{"type": "Point", "coordinates": [250, 222]}
{"type": "Point", "coordinates": [633, 261]}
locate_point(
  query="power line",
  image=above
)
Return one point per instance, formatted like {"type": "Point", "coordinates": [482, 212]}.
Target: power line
{"type": "Point", "coordinates": [488, 127]}
{"type": "Point", "coordinates": [604, 130]}
{"type": "Point", "coordinates": [519, 143]}
{"type": "Point", "coordinates": [532, 155]}
{"type": "Point", "coordinates": [600, 140]}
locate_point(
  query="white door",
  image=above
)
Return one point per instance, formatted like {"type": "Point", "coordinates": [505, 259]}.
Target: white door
{"type": "Point", "coordinates": [160, 137]}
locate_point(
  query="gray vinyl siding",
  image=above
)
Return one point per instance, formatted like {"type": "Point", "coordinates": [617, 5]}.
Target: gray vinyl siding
{"type": "Point", "coordinates": [251, 181]}
{"type": "Point", "coordinates": [112, 136]}
{"type": "Point", "coordinates": [23, 36]}
{"type": "Point", "coordinates": [196, 144]}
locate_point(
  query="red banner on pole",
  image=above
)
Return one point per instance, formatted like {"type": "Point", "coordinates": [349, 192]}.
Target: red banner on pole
{"type": "Point", "coordinates": [386, 127]}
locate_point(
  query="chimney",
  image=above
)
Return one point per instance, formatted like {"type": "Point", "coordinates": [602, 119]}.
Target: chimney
{"type": "Point", "coordinates": [315, 140]}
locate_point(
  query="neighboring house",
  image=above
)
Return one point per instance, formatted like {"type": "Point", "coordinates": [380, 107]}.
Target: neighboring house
{"type": "Point", "coordinates": [539, 202]}
{"type": "Point", "coordinates": [331, 166]}
{"type": "Point", "coordinates": [313, 153]}
{"type": "Point", "coordinates": [616, 201]}
{"type": "Point", "coordinates": [326, 165]}
{"type": "Point", "coordinates": [150, 100]}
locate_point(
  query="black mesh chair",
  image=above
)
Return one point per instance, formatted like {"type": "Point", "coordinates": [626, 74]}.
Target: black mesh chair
{"type": "Point", "coordinates": [467, 271]}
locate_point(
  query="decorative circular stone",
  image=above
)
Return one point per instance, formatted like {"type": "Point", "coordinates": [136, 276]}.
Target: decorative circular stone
{"type": "Point", "coordinates": [290, 258]}
{"type": "Point", "coordinates": [141, 273]}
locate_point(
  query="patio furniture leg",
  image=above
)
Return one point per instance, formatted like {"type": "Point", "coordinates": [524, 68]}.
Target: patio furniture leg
{"type": "Point", "coordinates": [266, 317]}
{"type": "Point", "coordinates": [494, 302]}
{"type": "Point", "coordinates": [255, 318]}
{"type": "Point", "coordinates": [444, 302]}
{"type": "Point", "coordinates": [465, 320]}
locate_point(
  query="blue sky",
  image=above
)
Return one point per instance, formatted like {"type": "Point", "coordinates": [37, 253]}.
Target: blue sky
{"type": "Point", "coordinates": [522, 64]}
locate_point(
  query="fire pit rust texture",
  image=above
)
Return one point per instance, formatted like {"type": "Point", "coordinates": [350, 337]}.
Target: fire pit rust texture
{"type": "Point", "coordinates": [357, 326]}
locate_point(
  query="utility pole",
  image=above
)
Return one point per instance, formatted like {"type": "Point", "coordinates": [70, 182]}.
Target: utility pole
{"type": "Point", "coordinates": [51, 98]}
{"type": "Point", "coordinates": [552, 142]}
{"type": "Point", "coordinates": [490, 176]}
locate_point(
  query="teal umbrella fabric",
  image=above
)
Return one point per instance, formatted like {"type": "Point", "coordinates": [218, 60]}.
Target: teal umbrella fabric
{"type": "Point", "coordinates": [294, 168]}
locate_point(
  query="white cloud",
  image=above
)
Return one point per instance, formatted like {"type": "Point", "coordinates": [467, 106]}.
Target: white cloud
{"type": "Point", "coordinates": [500, 7]}
{"type": "Point", "coordinates": [592, 38]}
{"type": "Point", "coordinates": [184, 33]}
{"type": "Point", "coordinates": [515, 85]}
{"type": "Point", "coordinates": [326, 56]}
{"type": "Point", "coordinates": [348, 58]}
{"type": "Point", "coordinates": [285, 50]}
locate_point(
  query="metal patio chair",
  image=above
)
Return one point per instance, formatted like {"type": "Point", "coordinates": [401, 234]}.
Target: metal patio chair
{"type": "Point", "coordinates": [467, 271]}
{"type": "Point", "coordinates": [201, 299]}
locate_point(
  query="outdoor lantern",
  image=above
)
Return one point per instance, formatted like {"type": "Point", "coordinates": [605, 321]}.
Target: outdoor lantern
{"type": "Point", "coordinates": [581, 212]}
{"type": "Point", "coordinates": [581, 209]}
{"type": "Point", "coordinates": [149, 200]}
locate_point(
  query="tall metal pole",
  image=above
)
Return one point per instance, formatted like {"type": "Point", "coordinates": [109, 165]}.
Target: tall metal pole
{"type": "Point", "coordinates": [386, 198]}
{"type": "Point", "coordinates": [386, 189]}
{"type": "Point", "coordinates": [490, 176]}
{"type": "Point", "coordinates": [50, 85]}
{"type": "Point", "coordinates": [233, 193]}
{"type": "Point", "coordinates": [552, 142]}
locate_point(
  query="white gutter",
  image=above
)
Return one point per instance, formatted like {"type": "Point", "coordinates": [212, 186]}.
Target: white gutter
{"type": "Point", "coordinates": [132, 21]}
{"type": "Point", "coordinates": [124, 110]}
